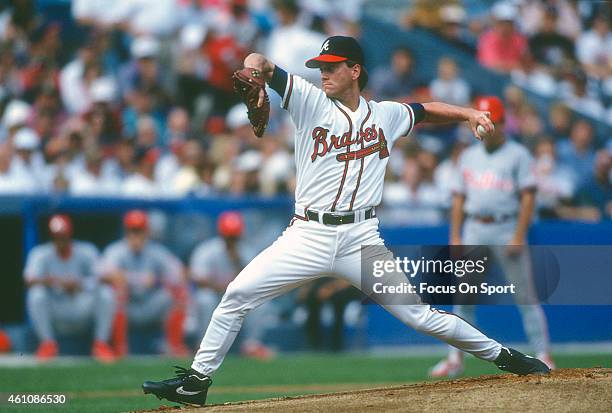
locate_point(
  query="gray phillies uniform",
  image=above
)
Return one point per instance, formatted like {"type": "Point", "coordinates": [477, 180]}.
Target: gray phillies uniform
{"type": "Point", "coordinates": [51, 308]}
{"type": "Point", "coordinates": [492, 183]}
{"type": "Point", "coordinates": [147, 273]}
{"type": "Point", "coordinates": [210, 261]}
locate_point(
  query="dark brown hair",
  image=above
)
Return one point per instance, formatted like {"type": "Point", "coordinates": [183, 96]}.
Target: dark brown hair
{"type": "Point", "coordinates": [363, 77]}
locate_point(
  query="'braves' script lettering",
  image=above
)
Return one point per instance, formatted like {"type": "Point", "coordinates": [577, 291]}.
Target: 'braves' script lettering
{"type": "Point", "coordinates": [323, 145]}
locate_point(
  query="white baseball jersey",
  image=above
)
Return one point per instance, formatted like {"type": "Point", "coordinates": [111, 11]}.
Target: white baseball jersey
{"type": "Point", "coordinates": [43, 260]}
{"type": "Point", "coordinates": [340, 155]}
{"type": "Point", "coordinates": [492, 181]}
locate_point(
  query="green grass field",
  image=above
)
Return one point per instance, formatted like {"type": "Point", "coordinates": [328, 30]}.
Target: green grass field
{"type": "Point", "coordinates": [92, 387]}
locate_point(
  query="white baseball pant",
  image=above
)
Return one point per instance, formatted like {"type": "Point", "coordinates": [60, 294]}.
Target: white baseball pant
{"type": "Point", "coordinates": [307, 250]}
{"type": "Point", "coordinates": [518, 271]}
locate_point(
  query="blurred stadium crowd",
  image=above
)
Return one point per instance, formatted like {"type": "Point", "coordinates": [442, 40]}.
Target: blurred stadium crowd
{"type": "Point", "coordinates": [141, 103]}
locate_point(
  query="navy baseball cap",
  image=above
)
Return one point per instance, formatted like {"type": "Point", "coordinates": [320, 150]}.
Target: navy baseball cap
{"type": "Point", "coordinates": [337, 49]}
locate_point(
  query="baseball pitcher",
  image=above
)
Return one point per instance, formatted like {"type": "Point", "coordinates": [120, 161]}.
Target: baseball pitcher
{"type": "Point", "coordinates": [342, 146]}
{"type": "Point", "coordinates": [493, 201]}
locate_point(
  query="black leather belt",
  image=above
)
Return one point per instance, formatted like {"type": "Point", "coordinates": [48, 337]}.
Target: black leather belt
{"type": "Point", "coordinates": [330, 218]}
{"type": "Point", "coordinates": [489, 219]}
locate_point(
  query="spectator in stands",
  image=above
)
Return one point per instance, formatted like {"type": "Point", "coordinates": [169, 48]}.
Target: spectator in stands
{"type": "Point", "coordinates": [426, 13]}
{"type": "Point", "coordinates": [453, 18]}
{"type": "Point", "coordinates": [103, 117]}
{"type": "Point", "coordinates": [534, 77]}
{"type": "Point", "coordinates": [47, 114]}
{"type": "Point", "coordinates": [141, 183]}
{"type": "Point", "coordinates": [559, 121]}
{"type": "Point", "coordinates": [121, 165]}
{"type": "Point", "coordinates": [190, 65]}
{"type": "Point", "coordinates": [63, 292]}
{"type": "Point", "coordinates": [555, 183]}
{"type": "Point", "coordinates": [17, 114]}
{"type": "Point", "coordinates": [75, 77]}
{"type": "Point", "coordinates": [29, 161]}
{"type": "Point", "coordinates": [147, 277]}
{"type": "Point", "coordinates": [446, 171]}
{"type": "Point", "coordinates": [501, 47]}
{"type": "Point", "coordinates": [448, 86]}
{"type": "Point", "coordinates": [244, 179]}
{"type": "Point", "coordinates": [206, 170]}
{"type": "Point", "coordinates": [276, 167]}
{"type": "Point", "coordinates": [186, 179]}
{"type": "Point", "coordinates": [93, 181]}
{"type": "Point", "coordinates": [177, 127]}
{"type": "Point", "coordinates": [143, 70]}
{"type": "Point", "coordinates": [242, 24]}
{"type": "Point", "coordinates": [397, 80]}
{"type": "Point", "coordinates": [225, 55]}
{"type": "Point", "coordinates": [13, 182]}
{"type": "Point", "coordinates": [143, 73]}
{"type": "Point", "coordinates": [594, 48]}
{"type": "Point", "coordinates": [567, 21]}
{"type": "Point", "coordinates": [9, 71]}
{"type": "Point", "coordinates": [531, 126]}
{"type": "Point", "coordinates": [290, 43]}
{"type": "Point", "coordinates": [411, 201]}
{"type": "Point", "coordinates": [579, 97]}
{"type": "Point", "coordinates": [174, 137]}
{"type": "Point", "coordinates": [213, 265]}
{"type": "Point", "coordinates": [597, 190]}
{"type": "Point", "coordinates": [515, 100]}
{"type": "Point", "coordinates": [428, 156]}
{"type": "Point", "coordinates": [548, 46]}
{"type": "Point", "coordinates": [147, 132]}
{"type": "Point", "coordinates": [94, 13]}
{"type": "Point", "coordinates": [142, 104]}
{"type": "Point", "coordinates": [577, 151]}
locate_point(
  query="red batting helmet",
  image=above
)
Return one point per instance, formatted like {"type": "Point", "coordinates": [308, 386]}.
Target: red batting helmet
{"type": "Point", "coordinates": [60, 225]}
{"type": "Point", "coordinates": [136, 219]}
{"type": "Point", "coordinates": [491, 104]}
{"type": "Point", "coordinates": [230, 224]}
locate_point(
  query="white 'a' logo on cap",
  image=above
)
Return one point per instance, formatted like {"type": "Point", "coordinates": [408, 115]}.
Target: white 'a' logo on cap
{"type": "Point", "coordinates": [325, 46]}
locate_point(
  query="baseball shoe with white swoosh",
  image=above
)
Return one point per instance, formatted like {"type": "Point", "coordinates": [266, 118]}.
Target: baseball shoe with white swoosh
{"type": "Point", "coordinates": [188, 387]}
{"type": "Point", "coordinates": [516, 362]}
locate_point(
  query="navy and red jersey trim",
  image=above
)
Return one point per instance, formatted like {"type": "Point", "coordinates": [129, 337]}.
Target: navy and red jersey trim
{"type": "Point", "coordinates": [286, 104]}
{"type": "Point", "coordinates": [278, 82]}
{"type": "Point", "coordinates": [346, 163]}
{"type": "Point", "coordinates": [362, 159]}
{"type": "Point", "coordinates": [409, 109]}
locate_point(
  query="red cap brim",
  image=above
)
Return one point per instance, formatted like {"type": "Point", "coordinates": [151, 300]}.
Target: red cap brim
{"type": "Point", "coordinates": [315, 62]}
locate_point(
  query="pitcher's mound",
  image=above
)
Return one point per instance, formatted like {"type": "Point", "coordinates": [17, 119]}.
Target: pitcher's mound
{"type": "Point", "coordinates": [564, 390]}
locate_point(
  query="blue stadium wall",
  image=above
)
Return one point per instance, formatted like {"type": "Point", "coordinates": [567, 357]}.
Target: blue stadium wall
{"type": "Point", "coordinates": [567, 323]}
{"type": "Point", "coordinates": [23, 222]}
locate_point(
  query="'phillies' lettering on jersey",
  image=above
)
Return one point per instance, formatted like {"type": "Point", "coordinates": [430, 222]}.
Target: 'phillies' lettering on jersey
{"type": "Point", "coordinates": [334, 171]}
{"type": "Point", "coordinates": [487, 180]}
{"type": "Point", "coordinates": [492, 181]}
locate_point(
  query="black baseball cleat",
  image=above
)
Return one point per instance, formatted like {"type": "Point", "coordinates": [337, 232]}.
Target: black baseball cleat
{"type": "Point", "coordinates": [188, 387]}
{"type": "Point", "coordinates": [518, 363]}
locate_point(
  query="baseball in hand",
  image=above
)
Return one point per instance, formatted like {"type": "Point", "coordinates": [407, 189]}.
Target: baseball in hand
{"type": "Point", "coordinates": [482, 132]}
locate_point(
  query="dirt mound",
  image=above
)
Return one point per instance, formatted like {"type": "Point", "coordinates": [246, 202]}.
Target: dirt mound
{"type": "Point", "coordinates": [564, 390]}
